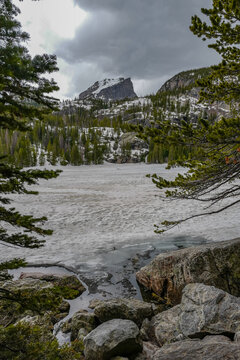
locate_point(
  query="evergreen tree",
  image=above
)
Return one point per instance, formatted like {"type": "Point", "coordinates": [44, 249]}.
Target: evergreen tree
{"type": "Point", "coordinates": [87, 152]}
{"type": "Point", "coordinates": [76, 158]}
{"type": "Point", "coordinates": [42, 159]}
{"type": "Point", "coordinates": [24, 96]}
{"type": "Point", "coordinates": [223, 82]}
{"type": "Point", "coordinates": [215, 162]}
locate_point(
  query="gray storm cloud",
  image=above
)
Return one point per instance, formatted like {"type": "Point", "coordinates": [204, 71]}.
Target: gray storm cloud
{"type": "Point", "coordinates": [147, 40]}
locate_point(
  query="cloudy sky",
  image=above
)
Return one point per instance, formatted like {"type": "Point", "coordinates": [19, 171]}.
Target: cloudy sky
{"type": "Point", "coordinates": [147, 40]}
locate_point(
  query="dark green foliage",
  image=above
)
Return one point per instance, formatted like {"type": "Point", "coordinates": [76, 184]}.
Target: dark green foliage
{"type": "Point", "coordinates": [73, 140]}
{"type": "Point", "coordinates": [24, 91]}
{"type": "Point", "coordinates": [13, 180]}
{"type": "Point", "coordinates": [24, 96]}
{"type": "Point", "coordinates": [165, 103]}
{"type": "Point", "coordinates": [38, 301]}
{"type": "Point", "coordinates": [214, 156]}
{"type": "Point", "coordinates": [224, 28]}
{"type": "Point", "coordinates": [12, 264]}
{"type": "Point", "coordinates": [25, 342]}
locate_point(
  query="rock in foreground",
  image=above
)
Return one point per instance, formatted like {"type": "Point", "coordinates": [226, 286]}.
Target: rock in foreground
{"type": "Point", "coordinates": [204, 310]}
{"type": "Point", "coordinates": [212, 264]}
{"type": "Point", "coordinates": [130, 309]}
{"type": "Point", "coordinates": [113, 338]}
{"type": "Point", "coordinates": [210, 348]}
{"type": "Point", "coordinates": [69, 285]}
{"type": "Point", "coordinates": [81, 324]}
{"type": "Point", "coordinates": [39, 292]}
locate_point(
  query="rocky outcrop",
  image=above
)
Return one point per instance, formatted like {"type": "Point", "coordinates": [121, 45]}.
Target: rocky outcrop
{"type": "Point", "coordinates": [112, 338]}
{"type": "Point", "coordinates": [149, 350]}
{"type": "Point", "coordinates": [110, 89]}
{"type": "Point", "coordinates": [130, 309]}
{"type": "Point", "coordinates": [63, 282]}
{"type": "Point", "coordinates": [204, 310]}
{"type": "Point", "coordinates": [38, 292]}
{"type": "Point", "coordinates": [45, 322]}
{"type": "Point", "coordinates": [25, 290]}
{"type": "Point", "coordinates": [129, 149]}
{"type": "Point", "coordinates": [81, 324]}
{"type": "Point", "coordinates": [134, 143]}
{"type": "Point", "coordinates": [210, 348]}
{"type": "Point", "coordinates": [185, 79]}
{"type": "Point", "coordinates": [214, 264]}
{"type": "Point", "coordinates": [184, 84]}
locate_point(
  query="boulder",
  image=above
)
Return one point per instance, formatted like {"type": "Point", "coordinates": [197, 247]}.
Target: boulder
{"type": "Point", "coordinates": [131, 309]}
{"type": "Point", "coordinates": [26, 284]}
{"type": "Point", "coordinates": [42, 321]}
{"type": "Point", "coordinates": [204, 310]}
{"type": "Point", "coordinates": [210, 348]}
{"type": "Point", "coordinates": [11, 312]}
{"type": "Point", "coordinates": [69, 285]}
{"type": "Point", "coordinates": [113, 338]}
{"type": "Point", "coordinates": [149, 349]}
{"type": "Point", "coordinates": [36, 293]}
{"type": "Point", "coordinates": [237, 337]}
{"type": "Point", "coordinates": [133, 141]}
{"type": "Point", "coordinates": [214, 264]}
{"type": "Point", "coordinates": [80, 324]}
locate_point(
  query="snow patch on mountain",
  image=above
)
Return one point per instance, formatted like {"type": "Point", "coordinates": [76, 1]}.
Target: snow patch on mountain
{"type": "Point", "coordinates": [110, 89]}
{"type": "Point", "coordinates": [106, 83]}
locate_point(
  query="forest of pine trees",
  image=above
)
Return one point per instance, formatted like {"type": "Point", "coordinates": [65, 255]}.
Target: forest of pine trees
{"type": "Point", "coordinates": [58, 139]}
{"type": "Point", "coordinates": [77, 136]}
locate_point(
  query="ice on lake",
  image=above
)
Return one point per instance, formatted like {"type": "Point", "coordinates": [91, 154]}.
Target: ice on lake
{"type": "Point", "coordinates": [106, 211]}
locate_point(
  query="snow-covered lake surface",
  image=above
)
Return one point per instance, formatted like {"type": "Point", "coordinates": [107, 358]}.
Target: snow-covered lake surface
{"type": "Point", "coordinates": [104, 215]}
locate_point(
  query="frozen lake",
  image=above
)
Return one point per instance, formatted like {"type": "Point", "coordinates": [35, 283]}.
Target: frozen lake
{"type": "Point", "coordinates": [103, 215]}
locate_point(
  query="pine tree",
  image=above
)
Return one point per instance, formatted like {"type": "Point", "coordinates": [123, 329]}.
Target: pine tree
{"type": "Point", "coordinates": [223, 82]}
{"type": "Point", "coordinates": [76, 158]}
{"type": "Point", "coordinates": [42, 159]}
{"type": "Point", "coordinates": [215, 161]}
{"type": "Point", "coordinates": [24, 96]}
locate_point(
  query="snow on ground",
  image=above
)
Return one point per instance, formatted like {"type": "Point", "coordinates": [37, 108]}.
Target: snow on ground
{"type": "Point", "coordinates": [121, 108]}
{"type": "Point", "coordinates": [95, 210]}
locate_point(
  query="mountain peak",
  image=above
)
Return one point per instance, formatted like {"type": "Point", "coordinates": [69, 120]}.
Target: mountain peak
{"type": "Point", "coordinates": [110, 89]}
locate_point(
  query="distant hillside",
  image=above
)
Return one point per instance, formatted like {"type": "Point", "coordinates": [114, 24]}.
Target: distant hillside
{"type": "Point", "coordinates": [98, 126]}
{"type": "Point", "coordinates": [182, 90]}
{"type": "Point", "coordinates": [184, 80]}
{"type": "Point", "coordinates": [110, 89]}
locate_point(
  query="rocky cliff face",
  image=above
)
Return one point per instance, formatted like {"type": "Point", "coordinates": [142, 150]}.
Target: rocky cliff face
{"type": "Point", "coordinates": [214, 264]}
{"type": "Point", "coordinates": [110, 89]}
{"type": "Point", "coordinates": [183, 87]}
{"type": "Point", "coordinates": [184, 80]}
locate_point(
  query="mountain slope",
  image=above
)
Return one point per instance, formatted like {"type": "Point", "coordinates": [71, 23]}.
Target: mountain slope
{"type": "Point", "coordinates": [110, 89]}
{"type": "Point", "coordinates": [97, 128]}
{"type": "Point", "coordinates": [184, 80]}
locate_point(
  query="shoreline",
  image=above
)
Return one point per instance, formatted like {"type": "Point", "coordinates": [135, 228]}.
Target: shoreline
{"type": "Point", "coordinates": [198, 281]}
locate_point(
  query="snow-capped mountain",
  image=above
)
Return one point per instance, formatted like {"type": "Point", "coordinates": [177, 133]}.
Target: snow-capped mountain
{"type": "Point", "coordinates": [110, 89]}
{"type": "Point", "coordinates": [96, 128]}
{"type": "Point", "coordinates": [177, 99]}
